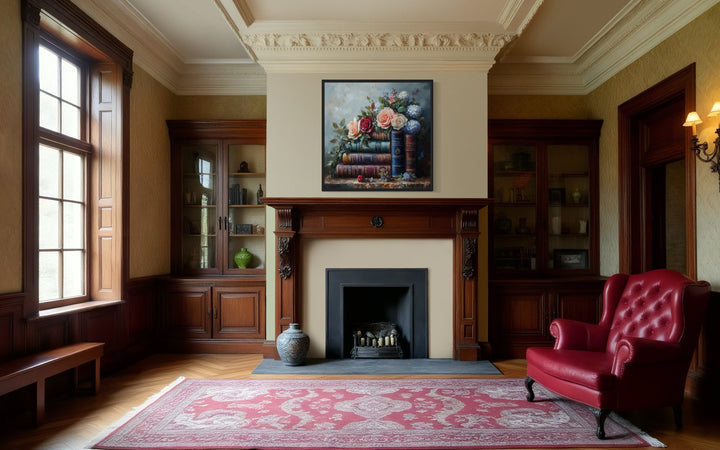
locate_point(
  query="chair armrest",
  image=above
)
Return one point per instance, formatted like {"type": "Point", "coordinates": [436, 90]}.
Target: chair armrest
{"type": "Point", "coordinates": [634, 350]}
{"type": "Point", "coordinates": [575, 335]}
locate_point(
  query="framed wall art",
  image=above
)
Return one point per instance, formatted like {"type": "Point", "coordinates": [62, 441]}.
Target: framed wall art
{"type": "Point", "coordinates": [570, 258]}
{"type": "Point", "coordinates": [377, 135]}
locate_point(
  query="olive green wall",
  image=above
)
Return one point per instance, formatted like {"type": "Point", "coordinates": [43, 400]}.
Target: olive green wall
{"type": "Point", "coordinates": [698, 43]}
{"type": "Point", "coordinates": [10, 147]}
{"type": "Point", "coordinates": [150, 104]}
{"type": "Point", "coordinates": [207, 107]}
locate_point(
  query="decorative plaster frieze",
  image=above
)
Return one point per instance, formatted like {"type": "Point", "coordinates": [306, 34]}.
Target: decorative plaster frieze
{"type": "Point", "coordinates": [373, 41]}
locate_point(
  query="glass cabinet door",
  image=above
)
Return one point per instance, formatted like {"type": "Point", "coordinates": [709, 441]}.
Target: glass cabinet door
{"type": "Point", "coordinates": [200, 216]}
{"type": "Point", "coordinates": [245, 211]}
{"type": "Point", "coordinates": [514, 214]}
{"type": "Point", "coordinates": [568, 210]}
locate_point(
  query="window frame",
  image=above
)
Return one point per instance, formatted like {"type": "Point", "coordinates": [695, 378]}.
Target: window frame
{"type": "Point", "coordinates": [63, 143]}
{"type": "Point", "coordinates": [106, 62]}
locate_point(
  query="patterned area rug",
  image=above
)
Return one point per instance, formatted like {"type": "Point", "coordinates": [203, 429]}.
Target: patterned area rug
{"type": "Point", "coordinates": [362, 414]}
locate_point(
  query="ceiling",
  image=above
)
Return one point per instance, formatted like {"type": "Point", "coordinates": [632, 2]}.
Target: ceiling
{"type": "Point", "coordinates": [206, 47]}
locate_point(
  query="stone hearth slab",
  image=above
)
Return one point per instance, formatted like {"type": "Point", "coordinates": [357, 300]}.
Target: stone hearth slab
{"type": "Point", "coordinates": [433, 366]}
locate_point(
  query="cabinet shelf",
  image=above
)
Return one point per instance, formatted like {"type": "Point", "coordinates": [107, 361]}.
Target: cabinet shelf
{"type": "Point", "coordinates": [515, 173]}
{"type": "Point", "coordinates": [516, 204]}
{"type": "Point", "coordinates": [248, 174]}
{"type": "Point", "coordinates": [248, 235]}
{"type": "Point", "coordinates": [246, 206]}
{"type": "Point", "coordinates": [568, 174]}
{"type": "Point", "coordinates": [193, 205]}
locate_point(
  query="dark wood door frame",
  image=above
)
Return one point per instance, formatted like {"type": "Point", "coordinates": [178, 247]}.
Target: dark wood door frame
{"type": "Point", "coordinates": [631, 172]}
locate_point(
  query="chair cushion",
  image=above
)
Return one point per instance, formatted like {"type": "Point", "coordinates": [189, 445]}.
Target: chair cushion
{"type": "Point", "coordinates": [590, 369]}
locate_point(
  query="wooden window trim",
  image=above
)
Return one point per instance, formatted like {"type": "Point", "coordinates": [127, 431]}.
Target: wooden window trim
{"type": "Point", "coordinates": [60, 22]}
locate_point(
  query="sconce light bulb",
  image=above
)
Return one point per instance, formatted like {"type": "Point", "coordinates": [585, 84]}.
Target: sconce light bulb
{"type": "Point", "coordinates": [692, 119]}
{"type": "Point", "coordinates": [715, 111]}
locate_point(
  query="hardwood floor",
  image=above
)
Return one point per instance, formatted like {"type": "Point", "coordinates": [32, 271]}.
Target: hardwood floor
{"type": "Point", "coordinates": [73, 421]}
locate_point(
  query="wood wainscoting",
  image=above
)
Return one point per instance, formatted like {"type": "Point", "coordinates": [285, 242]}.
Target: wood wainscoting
{"type": "Point", "coordinates": [389, 218]}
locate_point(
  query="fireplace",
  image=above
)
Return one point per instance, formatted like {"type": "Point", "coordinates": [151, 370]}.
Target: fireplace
{"type": "Point", "coordinates": [302, 219]}
{"type": "Point", "coordinates": [356, 298]}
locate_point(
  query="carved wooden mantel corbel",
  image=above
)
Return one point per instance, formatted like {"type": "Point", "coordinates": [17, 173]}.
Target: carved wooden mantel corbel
{"type": "Point", "coordinates": [388, 218]}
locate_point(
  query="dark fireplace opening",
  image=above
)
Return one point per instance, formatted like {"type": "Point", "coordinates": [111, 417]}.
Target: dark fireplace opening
{"type": "Point", "coordinates": [359, 299]}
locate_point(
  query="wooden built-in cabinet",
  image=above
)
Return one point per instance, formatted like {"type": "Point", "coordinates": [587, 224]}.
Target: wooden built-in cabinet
{"type": "Point", "coordinates": [521, 311]}
{"type": "Point", "coordinates": [210, 303]}
{"type": "Point", "coordinates": [218, 175]}
{"type": "Point", "coordinates": [543, 226]}
{"type": "Point", "coordinates": [213, 314]}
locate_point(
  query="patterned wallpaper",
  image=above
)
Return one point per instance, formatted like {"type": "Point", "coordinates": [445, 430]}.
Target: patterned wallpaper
{"type": "Point", "coordinates": [698, 42]}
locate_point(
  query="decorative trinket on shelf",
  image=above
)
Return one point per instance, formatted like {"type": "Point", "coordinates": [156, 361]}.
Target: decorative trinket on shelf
{"type": "Point", "coordinates": [243, 258]}
{"type": "Point", "coordinates": [577, 195]}
{"type": "Point", "coordinates": [244, 168]}
{"type": "Point", "coordinates": [259, 195]}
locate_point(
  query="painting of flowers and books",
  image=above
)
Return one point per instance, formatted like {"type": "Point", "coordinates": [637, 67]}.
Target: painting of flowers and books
{"type": "Point", "coordinates": [377, 135]}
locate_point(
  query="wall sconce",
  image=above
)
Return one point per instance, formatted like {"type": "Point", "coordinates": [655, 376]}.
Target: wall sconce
{"type": "Point", "coordinates": [701, 148]}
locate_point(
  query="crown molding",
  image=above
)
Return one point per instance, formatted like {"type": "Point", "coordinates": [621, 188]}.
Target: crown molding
{"type": "Point", "coordinates": [222, 79]}
{"type": "Point", "coordinates": [637, 29]}
{"type": "Point", "coordinates": [278, 52]}
{"type": "Point", "coordinates": [653, 21]}
{"type": "Point", "coordinates": [489, 42]}
{"type": "Point", "coordinates": [384, 66]}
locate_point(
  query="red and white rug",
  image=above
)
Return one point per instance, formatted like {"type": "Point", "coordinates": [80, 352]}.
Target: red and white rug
{"type": "Point", "coordinates": [362, 414]}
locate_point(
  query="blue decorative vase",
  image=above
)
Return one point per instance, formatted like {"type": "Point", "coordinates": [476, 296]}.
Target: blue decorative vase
{"type": "Point", "coordinates": [292, 345]}
{"type": "Point", "coordinates": [243, 258]}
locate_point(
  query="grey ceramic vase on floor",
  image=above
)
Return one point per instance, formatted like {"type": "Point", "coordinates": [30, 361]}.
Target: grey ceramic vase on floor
{"type": "Point", "coordinates": [292, 345]}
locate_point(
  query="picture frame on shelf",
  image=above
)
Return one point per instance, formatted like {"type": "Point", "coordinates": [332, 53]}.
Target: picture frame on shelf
{"type": "Point", "coordinates": [570, 259]}
{"type": "Point", "coordinates": [556, 196]}
{"type": "Point", "coordinates": [243, 228]}
{"type": "Point", "coordinates": [377, 135]}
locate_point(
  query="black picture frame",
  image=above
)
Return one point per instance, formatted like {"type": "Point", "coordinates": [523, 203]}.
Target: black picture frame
{"type": "Point", "coordinates": [570, 258]}
{"type": "Point", "coordinates": [377, 135]}
{"type": "Point", "coordinates": [556, 196]}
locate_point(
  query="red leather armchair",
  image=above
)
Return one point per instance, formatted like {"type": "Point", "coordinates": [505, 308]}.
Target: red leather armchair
{"type": "Point", "coordinates": [637, 357]}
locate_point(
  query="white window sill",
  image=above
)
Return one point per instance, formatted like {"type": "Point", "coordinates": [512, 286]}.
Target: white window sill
{"type": "Point", "coordinates": [79, 307]}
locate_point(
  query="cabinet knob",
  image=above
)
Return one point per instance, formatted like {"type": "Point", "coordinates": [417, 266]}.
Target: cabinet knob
{"type": "Point", "coordinates": [209, 314]}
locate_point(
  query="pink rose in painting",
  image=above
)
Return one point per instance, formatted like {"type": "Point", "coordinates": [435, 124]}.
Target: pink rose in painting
{"type": "Point", "coordinates": [366, 125]}
{"type": "Point", "coordinates": [353, 129]}
{"type": "Point", "coordinates": [398, 121]}
{"type": "Point", "coordinates": [384, 118]}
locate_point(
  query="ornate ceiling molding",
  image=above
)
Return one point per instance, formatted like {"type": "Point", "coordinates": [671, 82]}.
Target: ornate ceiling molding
{"type": "Point", "coordinates": [308, 52]}
{"type": "Point", "coordinates": [372, 41]}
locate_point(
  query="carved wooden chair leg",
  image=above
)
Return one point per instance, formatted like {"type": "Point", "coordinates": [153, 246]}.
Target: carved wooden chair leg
{"type": "Point", "coordinates": [528, 385]}
{"type": "Point", "coordinates": [600, 416]}
{"type": "Point", "coordinates": [677, 414]}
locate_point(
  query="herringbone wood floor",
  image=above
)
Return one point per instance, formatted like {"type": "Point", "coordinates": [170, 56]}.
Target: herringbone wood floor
{"type": "Point", "coordinates": [73, 421]}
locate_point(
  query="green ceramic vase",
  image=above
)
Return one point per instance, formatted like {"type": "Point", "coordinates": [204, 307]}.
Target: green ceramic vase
{"type": "Point", "coordinates": [243, 258]}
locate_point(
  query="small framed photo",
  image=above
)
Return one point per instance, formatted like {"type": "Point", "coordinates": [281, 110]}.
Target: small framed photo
{"type": "Point", "coordinates": [243, 228]}
{"type": "Point", "coordinates": [570, 259]}
{"type": "Point", "coordinates": [556, 196]}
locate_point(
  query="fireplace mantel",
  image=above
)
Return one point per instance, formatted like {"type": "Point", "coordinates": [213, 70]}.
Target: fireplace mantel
{"type": "Point", "coordinates": [299, 218]}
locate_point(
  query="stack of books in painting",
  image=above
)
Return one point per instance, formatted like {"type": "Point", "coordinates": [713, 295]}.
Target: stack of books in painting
{"type": "Point", "coordinates": [370, 158]}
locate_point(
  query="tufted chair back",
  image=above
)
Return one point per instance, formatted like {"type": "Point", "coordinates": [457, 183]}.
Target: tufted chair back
{"type": "Point", "coordinates": [650, 307]}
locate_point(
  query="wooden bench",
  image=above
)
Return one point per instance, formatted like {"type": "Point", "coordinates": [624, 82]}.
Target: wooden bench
{"type": "Point", "coordinates": [35, 368]}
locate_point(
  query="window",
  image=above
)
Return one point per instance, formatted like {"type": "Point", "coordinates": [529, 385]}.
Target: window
{"type": "Point", "coordinates": [76, 96]}
{"type": "Point", "coordinates": [62, 175]}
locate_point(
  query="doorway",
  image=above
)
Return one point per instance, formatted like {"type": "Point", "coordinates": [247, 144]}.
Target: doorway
{"type": "Point", "coordinates": [657, 178]}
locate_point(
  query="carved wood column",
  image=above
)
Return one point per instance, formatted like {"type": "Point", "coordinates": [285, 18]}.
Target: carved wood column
{"type": "Point", "coordinates": [465, 339]}
{"type": "Point", "coordinates": [286, 281]}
